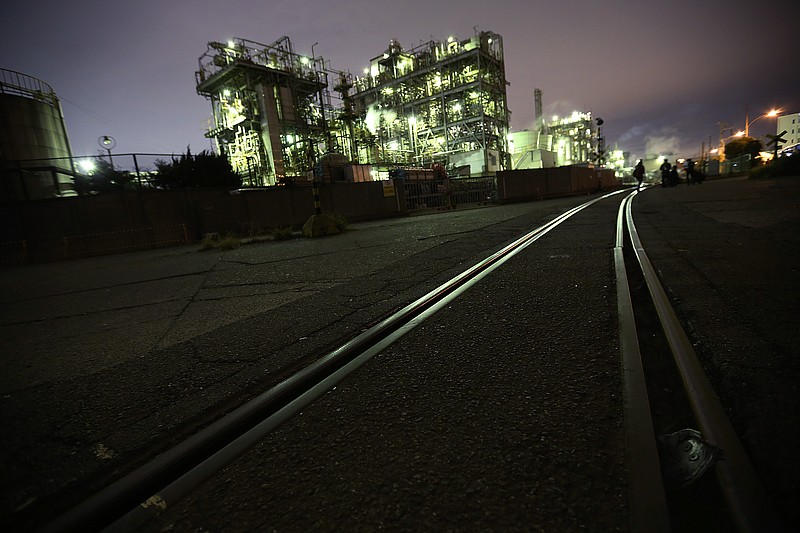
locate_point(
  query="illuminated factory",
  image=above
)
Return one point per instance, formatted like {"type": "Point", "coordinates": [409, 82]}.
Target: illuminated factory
{"type": "Point", "coordinates": [267, 107]}
{"type": "Point", "coordinates": [442, 102]}
{"type": "Point", "coordinates": [571, 140]}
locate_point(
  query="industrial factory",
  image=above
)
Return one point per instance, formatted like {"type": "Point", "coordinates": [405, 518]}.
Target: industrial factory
{"type": "Point", "coordinates": [283, 117]}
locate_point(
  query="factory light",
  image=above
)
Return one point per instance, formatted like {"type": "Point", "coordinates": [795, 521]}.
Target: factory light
{"type": "Point", "coordinates": [87, 165]}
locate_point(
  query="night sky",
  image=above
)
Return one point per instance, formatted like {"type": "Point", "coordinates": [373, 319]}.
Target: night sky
{"type": "Point", "coordinates": [661, 74]}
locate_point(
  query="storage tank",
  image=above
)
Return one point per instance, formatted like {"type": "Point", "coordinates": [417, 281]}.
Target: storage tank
{"type": "Point", "coordinates": [35, 155]}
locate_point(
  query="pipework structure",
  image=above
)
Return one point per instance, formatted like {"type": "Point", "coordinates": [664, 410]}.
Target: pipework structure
{"type": "Point", "coordinates": [274, 117]}
{"type": "Point", "coordinates": [268, 108]}
{"type": "Point", "coordinates": [441, 102]}
{"type": "Point", "coordinates": [573, 138]}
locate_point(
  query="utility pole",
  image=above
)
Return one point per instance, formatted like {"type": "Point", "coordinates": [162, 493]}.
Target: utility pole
{"type": "Point", "coordinates": [722, 127]}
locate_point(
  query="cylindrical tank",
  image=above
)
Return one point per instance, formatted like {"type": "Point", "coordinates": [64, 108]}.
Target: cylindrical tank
{"type": "Point", "coordinates": [35, 155]}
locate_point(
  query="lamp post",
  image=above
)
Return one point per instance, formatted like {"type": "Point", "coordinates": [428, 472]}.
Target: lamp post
{"type": "Point", "coordinates": [107, 142]}
{"type": "Point", "coordinates": [772, 113]}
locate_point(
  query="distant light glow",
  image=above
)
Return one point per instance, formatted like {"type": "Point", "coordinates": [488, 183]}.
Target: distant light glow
{"type": "Point", "coordinates": [231, 44]}
{"type": "Point", "coordinates": [87, 165]}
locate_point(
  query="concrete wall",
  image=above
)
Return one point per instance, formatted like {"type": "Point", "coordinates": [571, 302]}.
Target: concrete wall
{"type": "Point", "coordinates": [538, 183]}
{"type": "Point", "coordinates": [60, 228]}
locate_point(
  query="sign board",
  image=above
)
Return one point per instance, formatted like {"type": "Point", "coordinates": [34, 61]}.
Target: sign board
{"type": "Point", "coordinates": [777, 139]}
{"type": "Point", "coordinates": [388, 188]}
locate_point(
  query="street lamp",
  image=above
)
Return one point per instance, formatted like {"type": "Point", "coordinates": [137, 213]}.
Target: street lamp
{"type": "Point", "coordinates": [772, 113]}
{"type": "Point", "coordinates": [107, 142]}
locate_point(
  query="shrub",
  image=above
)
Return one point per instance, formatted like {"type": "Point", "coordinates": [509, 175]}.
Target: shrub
{"type": "Point", "coordinates": [282, 233]}
{"type": "Point", "coordinates": [782, 166]}
{"type": "Point", "coordinates": [340, 221]}
{"type": "Point", "coordinates": [205, 169]}
{"type": "Point", "coordinates": [213, 241]}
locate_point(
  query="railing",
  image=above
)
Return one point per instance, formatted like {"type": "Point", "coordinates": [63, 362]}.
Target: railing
{"type": "Point", "coordinates": [19, 84]}
{"type": "Point", "coordinates": [449, 194]}
{"type": "Point", "coordinates": [34, 179]}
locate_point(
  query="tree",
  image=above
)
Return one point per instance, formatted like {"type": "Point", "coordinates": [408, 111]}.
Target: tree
{"type": "Point", "coordinates": [742, 146]}
{"type": "Point", "coordinates": [103, 178]}
{"type": "Point", "coordinates": [205, 169]}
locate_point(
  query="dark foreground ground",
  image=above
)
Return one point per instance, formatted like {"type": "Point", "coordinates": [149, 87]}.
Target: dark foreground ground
{"type": "Point", "coordinates": [728, 252]}
{"type": "Point", "coordinates": [181, 325]}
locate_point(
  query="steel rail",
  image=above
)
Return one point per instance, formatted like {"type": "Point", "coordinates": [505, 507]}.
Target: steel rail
{"type": "Point", "coordinates": [169, 476]}
{"type": "Point", "coordinates": [750, 508]}
{"type": "Point", "coordinates": [647, 505]}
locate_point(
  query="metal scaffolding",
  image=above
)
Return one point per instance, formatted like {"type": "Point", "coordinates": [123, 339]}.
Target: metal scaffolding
{"type": "Point", "coordinates": [268, 107]}
{"type": "Point", "coordinates": [441, 102]}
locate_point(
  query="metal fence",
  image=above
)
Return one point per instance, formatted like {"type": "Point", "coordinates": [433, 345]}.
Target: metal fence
{"type": "Point", "coordinates": [449, 193]}
{"type": "Point", "coordinates": [34, 179]}
{"type": "Point", "coordinates": [737, 165]}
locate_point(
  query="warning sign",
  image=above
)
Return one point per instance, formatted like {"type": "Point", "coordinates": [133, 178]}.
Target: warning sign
{"type": "Point", "coordinates": [388, 188]}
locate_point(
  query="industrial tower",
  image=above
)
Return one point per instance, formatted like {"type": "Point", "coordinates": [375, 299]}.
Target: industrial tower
{"type": "Point", "coordinates": [441, 102]}
{"type": "Point", "coordinates": [268, 107]}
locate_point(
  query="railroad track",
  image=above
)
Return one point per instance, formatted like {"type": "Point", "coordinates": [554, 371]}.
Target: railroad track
{"type": "Point", "coordinates": [136, 498]}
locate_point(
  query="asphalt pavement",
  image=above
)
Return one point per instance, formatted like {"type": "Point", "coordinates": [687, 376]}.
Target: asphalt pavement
{"type": "Point", "coordinates": [187, 328]}
{"type": "Point", "coordinates": [728, 253]}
